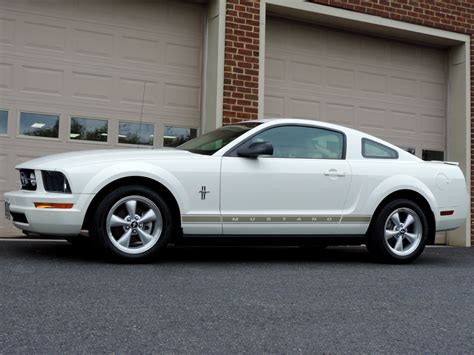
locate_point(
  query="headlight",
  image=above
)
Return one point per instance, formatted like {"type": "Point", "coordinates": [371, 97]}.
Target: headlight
{"type": "Point", "coordinates": [28, 179]}
{"type": "Point", "coordinates": [55, 181]}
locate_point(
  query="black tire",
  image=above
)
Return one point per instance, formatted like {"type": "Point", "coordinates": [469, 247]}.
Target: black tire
{"type": "Point", "coordinates": [385, 250]}
{"type": "Point", "coordinates": [145, 197]}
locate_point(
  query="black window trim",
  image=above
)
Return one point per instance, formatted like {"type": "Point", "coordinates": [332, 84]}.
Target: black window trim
{"type": "Point", "coordinates": [365, 140]}
{"type": "Point", "coordinates": [233, 152]}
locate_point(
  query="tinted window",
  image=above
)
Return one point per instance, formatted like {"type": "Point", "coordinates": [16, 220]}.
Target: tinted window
{"type": "Point", "coordinates": [88, 129]}
{"type": "Point", "coordinates": [302, 142]}
{"type": "Point", "coordinates": [374, 150]}
{"type": "Point", "coordinates": [211, 142]}
{"type": "Point", "coordinates": [3, 122]}
{"type": "Point", "coordinates": [175, 136]}
{"type": "Point", "coordinates": [39, 125]}
{"type": "Point", "coordinates": [136, 133]}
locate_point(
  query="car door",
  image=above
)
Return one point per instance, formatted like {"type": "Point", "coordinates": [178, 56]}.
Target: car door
{"type": "Point", "coordinates": [299, 189]}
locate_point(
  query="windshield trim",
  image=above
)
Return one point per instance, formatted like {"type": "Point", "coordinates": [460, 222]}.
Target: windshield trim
{"type": "Point", "coordinates": [250, 124]}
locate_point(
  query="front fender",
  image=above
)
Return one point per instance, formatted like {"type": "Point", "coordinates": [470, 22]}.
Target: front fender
{"type": "Point", "coordinates": [106, 175]}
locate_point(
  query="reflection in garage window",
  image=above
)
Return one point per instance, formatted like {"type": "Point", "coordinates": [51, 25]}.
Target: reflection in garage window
{"type": "Point", "coordinates": [175, 136]}
{"type": "Point", "coordinates": [136, 133]}
{"type": "Point", "coordinates": [39, 125]}
{"type": "Point", "coordinates": [3, 122]}
{"type": "Point", "coordinates": [88, 129]}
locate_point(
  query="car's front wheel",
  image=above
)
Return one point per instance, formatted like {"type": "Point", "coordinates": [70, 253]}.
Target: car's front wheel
{"type": "Point", "coordinates": [132, 223]}
{"type": "Point", "coordinates": [399, 233]}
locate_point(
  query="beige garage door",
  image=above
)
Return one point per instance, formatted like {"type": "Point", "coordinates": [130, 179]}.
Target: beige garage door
{"type": "Point", "coordinates": [393, 90]}
{"type": "Point", "coordinates": [74, 75]}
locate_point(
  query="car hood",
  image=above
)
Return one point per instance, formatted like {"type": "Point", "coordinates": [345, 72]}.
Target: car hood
{"type": "Point", "coordinates": [89, 157]}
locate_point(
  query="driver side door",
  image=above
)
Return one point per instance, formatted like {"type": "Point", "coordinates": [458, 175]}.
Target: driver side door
{"type": "Point", "coordinates": [298, 190]}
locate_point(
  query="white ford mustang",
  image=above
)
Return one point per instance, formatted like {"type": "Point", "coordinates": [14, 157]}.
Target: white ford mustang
{"type": "Point", "coordinates": [287, 181]}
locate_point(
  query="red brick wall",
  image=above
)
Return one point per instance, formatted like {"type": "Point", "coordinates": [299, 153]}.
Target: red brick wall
{"type": "Point", "coordinates": [451, 15]}
{"type": "Point", "coordinates": [241, 60]}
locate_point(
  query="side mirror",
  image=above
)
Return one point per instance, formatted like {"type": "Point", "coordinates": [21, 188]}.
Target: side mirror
{"type": "Point", "coordinates": [256, 149]}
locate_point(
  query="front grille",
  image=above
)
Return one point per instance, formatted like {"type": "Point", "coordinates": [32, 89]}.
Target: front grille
{"type": "Point", "coordinates": [28, 179]}
{"type": "Point", "coordinates": [18, 217]}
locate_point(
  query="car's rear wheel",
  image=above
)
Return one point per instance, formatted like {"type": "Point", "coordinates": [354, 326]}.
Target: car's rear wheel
{"type": "Point", "coordinates": [132, 223]}
{"type": "Point", "coordinates": [399, 232]}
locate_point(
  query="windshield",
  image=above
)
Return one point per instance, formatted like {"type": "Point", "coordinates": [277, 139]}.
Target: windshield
{"type": "Point", "coordinates": [211, 142]}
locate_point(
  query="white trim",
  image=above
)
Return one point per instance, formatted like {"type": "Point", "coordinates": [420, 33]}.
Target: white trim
{"type": "Point", "coordinates": [353, 16]}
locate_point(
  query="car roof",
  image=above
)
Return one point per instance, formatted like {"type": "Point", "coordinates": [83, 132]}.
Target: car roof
{"type": "Point", "coordinates": [280, 120]}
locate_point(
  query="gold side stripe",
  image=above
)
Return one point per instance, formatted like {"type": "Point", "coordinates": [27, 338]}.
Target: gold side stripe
{"type": "Point", "coordinates": [201, 219]}
{"type": "Point", "coordinates": [274, 219]}
{"type": "Point", "coordinates": [355, 219]}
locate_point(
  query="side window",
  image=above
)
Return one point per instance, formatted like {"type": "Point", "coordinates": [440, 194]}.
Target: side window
{"type": "Point", "coordinates": [374, 150]}
{"type": "Point", "coordinates": [303, 142]}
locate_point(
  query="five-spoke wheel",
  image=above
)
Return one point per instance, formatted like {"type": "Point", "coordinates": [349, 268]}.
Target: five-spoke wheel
{"type": "Point", "coordinates": [132, 223]}
{"type": "Point", "coordinates": [399, 232]}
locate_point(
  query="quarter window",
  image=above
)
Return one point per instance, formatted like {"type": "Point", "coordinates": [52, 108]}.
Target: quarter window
{"type": "Point", "coordinates": [175, 136]}
{"type": "Point", "coordinates": [3, 122]}
{"type": "Point", "coordinates": [302, 142]}
{"type": "Point", "coordinates": [88, 129]}
{"type": "Point", "coordinates": [374, 150]}
{"type": "Point", "coordinates": [136, 133]}
{"type": "Point", "coordinates": [39, 125]}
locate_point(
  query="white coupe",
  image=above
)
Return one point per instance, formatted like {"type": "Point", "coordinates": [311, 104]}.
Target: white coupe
{"type": "Point", "coordinates": [286, 181]}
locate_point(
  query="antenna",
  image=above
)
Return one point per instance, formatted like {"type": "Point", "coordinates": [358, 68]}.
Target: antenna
{"type": "Point", "coordinates": [141, 115]}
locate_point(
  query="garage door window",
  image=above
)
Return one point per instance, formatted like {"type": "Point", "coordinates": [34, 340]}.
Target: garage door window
{"type": "Point", "coordinates": [175, 136]}
{"type": "Point", "coordinates": [88, 129]}
{"type": "Point", "coordinates": [3, 122]}
{"type": "Point", "coordinates": [136, 133]}
{"type": "Point", "coordinates": [39, 125]}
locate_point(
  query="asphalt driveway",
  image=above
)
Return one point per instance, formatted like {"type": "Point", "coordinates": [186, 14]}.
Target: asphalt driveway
{"type": "Point", "coordinates": [56, 298]}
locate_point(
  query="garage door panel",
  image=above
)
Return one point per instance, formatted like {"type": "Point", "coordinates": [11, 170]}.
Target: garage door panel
{"type": "Point", "coordinates": [6, 75]}
{"type": "Point", "coordinates": [274, 106]}
{"type": "Point", "coordinates": [394, 90]}
{"type": "Point", "coordinates": [7, 30]}
{"type": "Point", "coordinates": [342, 45]}
{"type": "Point", "coordinates": [40, 79]}
{"type": "Point", "coordinates": [44, 36]}
{"type": "Point", "coordinates": [304, 108]}
{"type": "Point", "coordinates": [375, 83]}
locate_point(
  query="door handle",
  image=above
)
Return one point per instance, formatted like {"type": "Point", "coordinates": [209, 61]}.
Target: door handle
{"type": "Point", "coordinates": [334, 172]}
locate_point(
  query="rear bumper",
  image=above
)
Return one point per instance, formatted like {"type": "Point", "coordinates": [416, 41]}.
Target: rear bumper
{"type": "Point", "coordinates": [51, 221]}
{"type": "Point", "coordinates": [456, 220]}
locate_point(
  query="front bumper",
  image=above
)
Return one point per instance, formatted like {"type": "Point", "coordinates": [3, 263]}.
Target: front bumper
{"type": "Point", "coordinates": [51, 221]}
